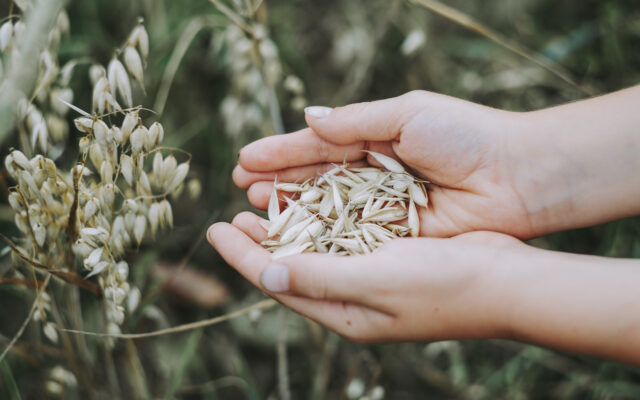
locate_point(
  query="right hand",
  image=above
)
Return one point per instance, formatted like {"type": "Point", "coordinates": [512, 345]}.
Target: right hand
{"type": "Point", "coordinates": [458, 146]}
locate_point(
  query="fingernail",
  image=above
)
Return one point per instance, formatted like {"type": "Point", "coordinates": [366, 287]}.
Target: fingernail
{"type": "Point", "coordinates": [318, 111]}
{"type": "Point", "coordinates": [209, 234]}
{"type": "Point", "coordinates": [275, 278]}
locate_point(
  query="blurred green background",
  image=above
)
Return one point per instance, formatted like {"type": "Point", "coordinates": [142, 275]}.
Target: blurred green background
{"type": "Point", "coordinates": [343, 52]}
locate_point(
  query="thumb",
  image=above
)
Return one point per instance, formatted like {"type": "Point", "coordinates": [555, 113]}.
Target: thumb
{"type": "Point", "coordinates": [380, 120]}
{"type": "Point", "coordinates": [316, 276]}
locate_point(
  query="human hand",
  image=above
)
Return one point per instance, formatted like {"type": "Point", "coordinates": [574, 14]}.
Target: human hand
{"type": "Point", "coordinates": [409, 289]}
{"type": "Point", "coordinates": [475, 285]}
{"type": "Point", "coordinates": [458, 146]}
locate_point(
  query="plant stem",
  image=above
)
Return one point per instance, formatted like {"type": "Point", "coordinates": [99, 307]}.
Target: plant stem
{"type": "Point", "coordinates": [34, 306]}
{"type": "Point", "coordinates": [281, 348]}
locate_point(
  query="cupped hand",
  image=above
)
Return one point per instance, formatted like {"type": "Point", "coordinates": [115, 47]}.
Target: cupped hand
{"type": "Point", "coordinates": [459, 146]}
{"type": "Point", "coordinates": [409, 289]}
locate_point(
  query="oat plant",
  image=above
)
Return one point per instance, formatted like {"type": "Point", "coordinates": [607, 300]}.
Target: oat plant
{"type": "Point", "coordinates": [81, 224]}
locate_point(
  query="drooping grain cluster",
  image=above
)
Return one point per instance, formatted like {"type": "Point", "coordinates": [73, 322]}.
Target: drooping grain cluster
{"type": "Point", "coordinates": [253, 64]}
{"type": "Point", "coordinates": [109, 201]}
{"type": "Point", "coordinates": [345, 211]}
{"type": "Point", "coordinates": [40, 116]}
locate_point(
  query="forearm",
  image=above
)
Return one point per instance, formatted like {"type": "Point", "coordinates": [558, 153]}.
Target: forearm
{"type": "Point", "coordinates": [583, 304]}
{"type": "Point", "coordinates": [577, 165]}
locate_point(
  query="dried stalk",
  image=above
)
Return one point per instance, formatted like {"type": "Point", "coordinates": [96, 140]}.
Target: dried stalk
{"type": "Point", "coordinates": [34, 306]}
{"type": "Point", "coordinates": [183, 263]}
{"type": "Point", "coordinates": [233, 16]}
{"type": "Point", "coordinates": [182, 328]}
{"type": "Point", "coordinates": [470, 23]}
{"type": "Point", "coordinates": [281, 350]}
{"type": "Point", "coordinates": [190, 32]}
{"type": "Point", "coordinates": [66, 276]}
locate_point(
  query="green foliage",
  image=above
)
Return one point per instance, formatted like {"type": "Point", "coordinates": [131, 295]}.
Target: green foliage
{"type": "Point", "coordinates": [344, 52]}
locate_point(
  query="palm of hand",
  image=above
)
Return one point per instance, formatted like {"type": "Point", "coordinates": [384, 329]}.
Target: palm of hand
{"type": "Point", "coordinates": [467, 162]}
{"type": "Point", "coordinates": [460, 149]}
{"type": "Point", "coordinates": [392, 304]}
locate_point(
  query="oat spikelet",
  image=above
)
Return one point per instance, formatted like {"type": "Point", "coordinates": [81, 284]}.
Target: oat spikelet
{"type": "Point", "coordinates": [345, 211]}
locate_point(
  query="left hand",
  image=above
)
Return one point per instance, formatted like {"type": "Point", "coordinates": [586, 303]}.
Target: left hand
{"type": "Point", "coordinates": [409, 289]}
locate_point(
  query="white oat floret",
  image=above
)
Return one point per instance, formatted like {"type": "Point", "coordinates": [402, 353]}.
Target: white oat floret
{"type": "Point", "coordinates": [346, 210]}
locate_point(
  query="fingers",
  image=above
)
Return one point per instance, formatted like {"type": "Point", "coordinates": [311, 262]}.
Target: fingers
{"type": "Point", "coordinates": [317, 276]}
{"type": "Point", "coordinates": [237, 246]}
{"type": "Point", "coordinates": [259, 193]}
{"type": "Point", "coordinates": [372, 121]}
{"type": "Point", "coordinates": [295, 149]}
{"type": "Point", "coordinates": [244, 178]}
{"type": "Point", "coordinates": [249, 223]}
{"type": "Point", "coordinates": [239, 250]}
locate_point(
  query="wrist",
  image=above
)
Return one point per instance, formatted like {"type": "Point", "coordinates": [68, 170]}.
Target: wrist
{"type": "Point", "coordinates": [575, 165]}
{"type": "Point", "coordinates": [542, 171]}
{"type": "Point", "coordinates": [488, 302]}
{"type": "Point", "coordinates": [578, 303]}
{"type": "Point", "coordinates": [503, 282]}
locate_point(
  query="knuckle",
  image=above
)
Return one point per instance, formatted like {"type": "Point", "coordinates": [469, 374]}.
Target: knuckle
{"type": "Point", "coordinates": [353, 109]}
{"type": "Point", "coordinates": [320, 289]}
{"type": "Point", "coordinates": [414, 96]}
{"type": "Point", "coordinates": [239, 177]}
{"type": "Point", "coordinates": [308, 283]}
{"type": "Point", "coordinates": [324, 150]}
{"type": "Point", "coordinates": [240, 218]}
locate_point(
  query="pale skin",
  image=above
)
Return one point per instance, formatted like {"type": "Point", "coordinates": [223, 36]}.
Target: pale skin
{"type": "Point", "coordinates": [518, 175]}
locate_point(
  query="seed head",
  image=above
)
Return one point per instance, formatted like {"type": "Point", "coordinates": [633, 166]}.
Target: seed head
{"type": "Point", "coordinates": [139, 228]}
{"type": "Point", "coordinates": [180, 173]}
{"type": "Point", "coordinates": [134, 64]}
{"type": "Point", "coordinates": [155, 213]}
{"type": "Point", "coordinates": [119, 80]}
{"type": "Point", "coordinates": [98, 268]}
{"type": "Point", "coordinates": [96, 72]}
{"type": "Point", "coordinates": [6, 32]}
{"type": "Point", "coordinates": [100, 131]}
{"type": "Point", "coordinates": [18, 31]}
{"type": "Point", "coordinates": [20, 159]}
{"type": "Point", "coordinates": [167, 213]}
{"type": "Point", "coordinates": [99, 89]}
{"type": "Point", "coordinates": [140, 38]}
{"type": "Point", "coordinates": [84, 144]}
{"type": "Point", "coordinates": [96, 154]}
{"type": "Point", "coordinates": [94, 258]}
{"type": "Point", "coordinates": [128, 125]}
{"type": "Point", "coordinates": [106, 172]}
{"type": "Point", "coordinates": [83, 124]}
{"type": "Point", "coordinates": [157, 167]}
{"type": "Point", "coordinates": [138, 139]}
{"type": "Point", "coordinates": [40, 233]}
{"type": "Point", "coordinates": [51, 332]}
{"type": "Point", "coordinates": [156, 133]}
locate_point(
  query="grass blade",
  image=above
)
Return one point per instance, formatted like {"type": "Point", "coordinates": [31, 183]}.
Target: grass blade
{"type": "Point", "coordinates": [183, 365]}
{"type": "Point", "coordinates": [470, 23]}
{"type": "Point", "coordinates": [10, 383]}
